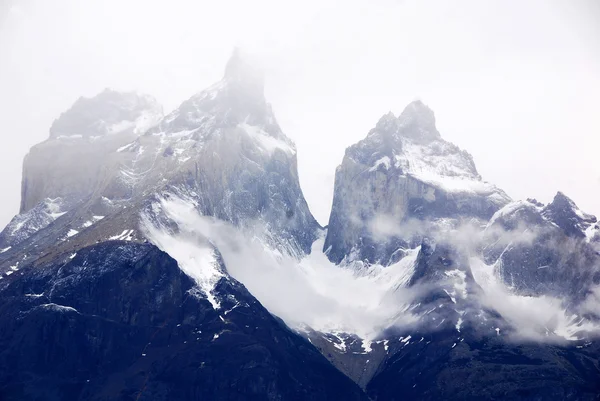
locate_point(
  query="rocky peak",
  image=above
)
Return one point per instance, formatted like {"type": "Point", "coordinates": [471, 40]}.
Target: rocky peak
{"type": "Point", "coordinates": [109, 112]}
{"type": "Point", "coordinates": [403, 170]}
{"type": "Point", "coordinates": [564, 213]}
{"type": "Point", "coordinates": [417, 122]}
{"type": "Point", "coordinates": [241, 71]}
{"type": "Point", "coordinates": [388, 122]}
{"type": "Point", "coordinates": [237, 99]}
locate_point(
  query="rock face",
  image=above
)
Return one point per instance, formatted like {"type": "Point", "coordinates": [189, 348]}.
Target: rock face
{"type": "Point", "coordinates": [84, 136]}
{"type": "Point", "coordinates": [108, 113]}
{"type": "Point", "coordinates": [121, 321]}
{"type": "Point", "coordinates": [399, 183]}
{"type": "Point", "coordinates": [449, 366]}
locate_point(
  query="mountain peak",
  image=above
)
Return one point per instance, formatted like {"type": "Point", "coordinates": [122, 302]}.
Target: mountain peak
{"type": "Point", "coordinates": [109, 112]}
{"type": "Point", "coordinates": [387, 122]}
{"type": "Point", "coordinates": [241, 69]}
{"type": "Point", "coordinates": [562, 202]}
{"type": "Point", "coordinates": [565, 214]}
{"type": "Point", "coordinates": [417, 121]}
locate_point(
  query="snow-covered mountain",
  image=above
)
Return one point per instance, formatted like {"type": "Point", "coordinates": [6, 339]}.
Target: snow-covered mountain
{"type": "Point", "coordinates": [159, 254]}
{"type": "Point", "coordinates": [545, 249]}
{"type": "Point", "coordinates": [399, 183]}
{"type": "Point", "coordinates": [222, 150]}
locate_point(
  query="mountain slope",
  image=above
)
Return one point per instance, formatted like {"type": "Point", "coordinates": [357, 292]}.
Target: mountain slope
{"type": "Point", "coordinates": [120, 320]}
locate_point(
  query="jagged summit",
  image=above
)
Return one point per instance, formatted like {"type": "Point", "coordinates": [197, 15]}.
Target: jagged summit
{"type": "Point", "coordinates": [404, 169]}
{"type": "Point", "coordinates": [565, 214]}
{"type": "Point", "coordinates": [241, 69]}
{"type": "Point", "coordinates": [418, 122]}
{"type": "Point", "coordinates": [109, 112]}
{"type": "Point", "coordinates": [235, 101]}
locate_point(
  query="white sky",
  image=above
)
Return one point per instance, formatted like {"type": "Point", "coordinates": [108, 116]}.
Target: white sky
{"type": "Point", "coordinates": [515, 83]}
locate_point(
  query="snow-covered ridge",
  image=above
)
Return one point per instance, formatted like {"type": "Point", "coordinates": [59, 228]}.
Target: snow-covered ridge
{"type": "Point", "coordinates": [22, 226]}
{"type": "Point", "coordinates": [510, 209]}
{"type": "Point", "coordinates": [313, 294]}
{"type": "Point", "coordinates": [562, 212]}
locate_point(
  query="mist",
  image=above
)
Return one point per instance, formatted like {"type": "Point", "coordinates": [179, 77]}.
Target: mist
{"type": "Point", "coordinates": [521, 97]}
{"type": "Point", "coordinates": [312, 292]}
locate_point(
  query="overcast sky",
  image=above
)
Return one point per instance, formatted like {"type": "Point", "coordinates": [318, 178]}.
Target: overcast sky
{"type": "Point", "coordinates": [516, 83]}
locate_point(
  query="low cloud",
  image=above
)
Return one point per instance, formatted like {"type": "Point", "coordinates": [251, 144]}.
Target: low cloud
{"type": "Point", "coordinates": [314, 292]}
{"type": "Point", "coordinates": [531, 318]}
{"type": "Point", "coordinates": [309, 292]}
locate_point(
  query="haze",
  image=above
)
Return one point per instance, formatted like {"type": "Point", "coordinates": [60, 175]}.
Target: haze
{"type": "Point", "coordinates": [517, 84]}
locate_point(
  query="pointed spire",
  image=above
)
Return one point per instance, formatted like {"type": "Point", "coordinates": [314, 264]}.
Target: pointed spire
{"type": "Point", "coordinates": [242, 71]}
{"type": "Point", "coordinates": [564, 213]}
{"type": "Point", "coordinates": [418, 121]}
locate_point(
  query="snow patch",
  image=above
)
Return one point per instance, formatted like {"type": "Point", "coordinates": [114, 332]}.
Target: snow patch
{"type": "Point", "coordinates": [72, 233]}
{"type": "Point", "coordinates": [126, 235]}
{"type": "Point", "coordinates": [58, 308]}
{"type": "Point", "coordinates": [459, 323]}
{"type": "Point", "coordinates": [123, 148]}
{"type": "Point", "coordinates": [510, 209]}
{"type": "Point", "coordinates": [591, 232]}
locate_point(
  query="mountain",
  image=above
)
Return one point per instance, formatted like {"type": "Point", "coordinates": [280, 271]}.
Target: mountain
{"type": "Point", "coordinates": [93, 311]}
{"type": "Point", "coordinates": [120, 320]}
{"type": "Point", "coordinates": [222, 149]}
{"type": "Point", "coordinates": [500, 292]}
{"type": "Point", "coordinates": [84, 136]}
{"type": "Point", "coordinates": [174, 257]}
{"type": "Point", "coordinates": [399, 183]}
{"type": "Point", "coordinates": [545, 249]}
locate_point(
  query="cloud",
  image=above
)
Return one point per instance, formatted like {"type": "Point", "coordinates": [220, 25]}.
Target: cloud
{"type": "Point", "coordinates": [361, 300]}
{"type": "Point", "coordinates": [308, 292]}
{"type": "Point", "coordinates": [542, 318]}
{"type": "Point", "coordinates": [531, 318]}
{"type": "Point", "coordinates": [591, 304]}
{"type": "Point", "coordinates": [382, 227]}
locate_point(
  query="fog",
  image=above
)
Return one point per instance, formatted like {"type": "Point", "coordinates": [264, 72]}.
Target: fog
{"type": "Point", "coordinates": [515, 83]}
{"type": "Point", "coordinates": [309, 292]}
{"type": "Point", "coordinates": [312, 292]}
